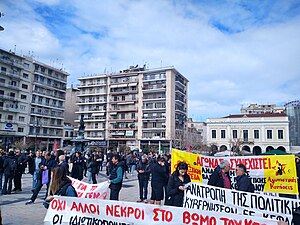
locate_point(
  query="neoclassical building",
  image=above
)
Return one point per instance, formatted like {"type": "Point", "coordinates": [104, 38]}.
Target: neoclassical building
{"type": "Point", "coordinates": [255, 133]}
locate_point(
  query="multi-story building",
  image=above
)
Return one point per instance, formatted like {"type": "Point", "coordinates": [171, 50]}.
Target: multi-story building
{"type": "Point", "coordinates": [32, 101]}
{"type": "Point", "coordinates": [196, 133]}
{"type": "Point", "coordinates": [46, 123]}
{"type": "Point", "coordinates": [265, 108]}
{"type": "Point", "coordinates": [255, 133]}
{"type": "Point", "coordinates": [15, 88]}
{"type": "Point", "coordinates": [136, 108]}
{"type": "Point", "coordinates": [292, 109]}
{"type": "Point", "coordinates": [93, 94]}
{"type": "Point", "coordinates": [71, 106]}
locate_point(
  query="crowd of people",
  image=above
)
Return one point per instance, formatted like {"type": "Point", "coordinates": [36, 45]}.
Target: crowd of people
{"type": "Point", "coordinates": [52, 168]}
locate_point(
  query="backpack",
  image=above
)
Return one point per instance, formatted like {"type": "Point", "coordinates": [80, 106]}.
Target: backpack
{"type": "Point", "coordinates": [13, 165]}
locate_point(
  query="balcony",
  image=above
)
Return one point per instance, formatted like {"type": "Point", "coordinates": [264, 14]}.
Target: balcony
{"type": "Point", "coordinates": [56, 87]}
{"type": "Point", "coordinates": [52, 75]}
{"type": "Point", "coordinates": [123, 109]}
{"type": "Point", "coordinates": [7, 97]}
{"type": "Point", "coordinates": [11, 74]}
{"type": "Point", "coordinates": [47, 94]}
{"type": "Point", "coordinates": [89, 84]}
{"type": "Point", "coordinates": [12, 62]}
{"type": "Point", "coordinates": [15, 87]}
{"type": "Point", "coordinates": [154, 118]}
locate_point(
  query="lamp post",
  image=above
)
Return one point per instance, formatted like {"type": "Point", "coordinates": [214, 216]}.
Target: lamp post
{"type": "Point", "coordinates": [36, 125]}
{"type": "Point", "coordinates": [1, 28]}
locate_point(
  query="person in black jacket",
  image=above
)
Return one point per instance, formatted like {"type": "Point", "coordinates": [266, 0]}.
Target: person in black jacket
{"type": "Point", "coordinates": [143, 170]}
{"type": "Point", "coordinates": [158, 177]}
{"type": "Point", "coordinates": [115, 177]}
{"type": "Point", "coordinates": [176, 184]}
{"type": "Point", "coordinates": [8, 173]}
{"type": "Point", "coordinates": [243, 182]}
{"type": "Point", "coordinates": [220, 177]}
{"type": "Point", "coordinates": [22, 160]}
{"type": "Point", "coordinates": [1, 169]}
{"type": "Point", "coordinates": [93, 169]}
{"type": "Point", "coordinates": [78, 166]}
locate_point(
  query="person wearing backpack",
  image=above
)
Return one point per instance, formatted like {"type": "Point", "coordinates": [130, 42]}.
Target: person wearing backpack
{"type": "Point", "coordinates": [9, 167]}
{"type": "Point", "coordinates": [243, 182]}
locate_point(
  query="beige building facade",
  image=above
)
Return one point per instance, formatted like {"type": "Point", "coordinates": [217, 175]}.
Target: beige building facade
{"type": "Point", "coordinates": [255, 133]}
{"type": "Point", "coordinates": [136, 108]}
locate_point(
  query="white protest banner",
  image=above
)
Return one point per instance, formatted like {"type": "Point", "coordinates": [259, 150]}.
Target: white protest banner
{"type": "Point", "coordinates": [274, 174]}
{"type": "Point", "coordinates": [76, 211]}
{"type": "Point", "coordinates": [205, 197]}
{"type": "Point", "coordinates": [85, 190]}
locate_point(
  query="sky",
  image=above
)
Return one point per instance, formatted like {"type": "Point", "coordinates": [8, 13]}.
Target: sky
{"type": "Point", "coordinates": [233, 53]}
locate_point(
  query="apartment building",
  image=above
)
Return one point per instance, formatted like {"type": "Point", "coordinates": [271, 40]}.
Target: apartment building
{"type": "Point", "coordinates": [46, 123]}
{"type": "Point", "coordinates": [255, 133]}
{"type": "Point", "coordinates": [15, 88]}
{"type": "Point", "coordinates": [135, 108]}
{"type": "Point", "coordinates": [293, 111]}
{"type": "Point", "coordinates": [71, 106]}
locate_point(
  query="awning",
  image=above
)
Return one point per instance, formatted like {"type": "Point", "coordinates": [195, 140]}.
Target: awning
{"type": "Point", "coordinates": [132, 84]}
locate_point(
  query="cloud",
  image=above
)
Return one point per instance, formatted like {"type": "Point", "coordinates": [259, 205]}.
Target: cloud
{"type": "Point", "coordinates": [232, 52]}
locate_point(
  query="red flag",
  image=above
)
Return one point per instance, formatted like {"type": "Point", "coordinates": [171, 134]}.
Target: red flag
{"type": "Point", "coordinates": [189, 148]}
{"type": "Point", "coordinates": [55, 145]}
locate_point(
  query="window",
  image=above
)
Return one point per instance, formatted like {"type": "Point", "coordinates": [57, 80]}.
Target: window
{"type": "Point", "coordinates": [25, 75]}
{"type": "Point", "coordinates": [123, 97]}
{"type": "Point", "coordinates": [256, 134]}
{"type": "Point", "coordinates": [66, 134]}
{"type": "Point", "coordinates": [20, 129]}
{"type": "Point", "coordinates": [10, 117]}
{"type": "Point", "coordinates": [26, 65]}
{"type": "Point", "coordinates": [3, 69]}
{"type": "Point", "coordinates": [132, 115]}
{"type": "Point", "coordinates": [280, 134]}
{"type": "Point", "coordinates": [23, 97]}
{"type": "Point", "coordinates": [223, 134]}
{"type": "Point", "coordinates": [1, 104]}
{"type": "Point", "coordinates": [234, 133]}
{"type": "Point", "coordinates": [245, 135]}
{"type": "Point", "coordinates": [24, 86]}
{"type": "Point", "coordinates": [269, 134]}
{"type": "Point", "coordinates": [154, 124]}
{"type": "Point", "coordinates": [213, 134]}
{"type": "Point", "coordinates": [122, 116]}
{"type": "Point", "coordinates": [1, 92]}
{"type": "Point", "coordinates": [2, 80]}
{"type": "Point", "coordinates": [21, 118]}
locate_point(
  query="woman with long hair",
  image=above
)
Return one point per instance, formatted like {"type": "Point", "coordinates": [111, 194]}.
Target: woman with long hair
{"type": "Point", "coordinates": [177, 181]}
{"type": "Point", "coordinates": [60, 185]}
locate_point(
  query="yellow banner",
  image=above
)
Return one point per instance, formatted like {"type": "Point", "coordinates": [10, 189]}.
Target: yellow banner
{"type": "Point", "coordinates": [268, 173]}
{"type": "Point", "coordinates": [195, 170]}
{"type": "Point", "coordinates": [281, 175]}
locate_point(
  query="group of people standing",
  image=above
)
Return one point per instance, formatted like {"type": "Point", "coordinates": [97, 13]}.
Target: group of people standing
{"type": "Point", "coordinates": [152, 168]}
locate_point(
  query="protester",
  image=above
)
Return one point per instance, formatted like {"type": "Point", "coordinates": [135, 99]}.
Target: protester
{"type": "Point", "coordinates": [143, 170]}
{"type": "Point", "coordinates": [298, 174]}
{"type": "Point", "coordinates": [101, 160]}
{"type": "Point", "coordinates": [47, 164]}
{"type": "Point", "coordinates": [243, 182]}
{"type": "Point", "coordinates": [60, 185]}
{"type": "Point", "coordinates": [1, 170]}
{"type": "Point", "coordinates": [78, 166]}
{"type": "Point", "coordinates": [158, 176]}
{"type": "Point", "coordinates": [34, 168]}
{"type": "Point", "coordinates": [9, 169]}
{"type": "Point", "coordinates": [175, 189]}
{"type": "Point", "coordinates": [220, 177]}
{"type": "Point", "coordinates": [92, 170]}
{"type": "Point", "coordinates": [21, 159]}
{"type": "Point", "coordinates": [115, 177]}
{"type": "Point", "coordinates": [62, 162]}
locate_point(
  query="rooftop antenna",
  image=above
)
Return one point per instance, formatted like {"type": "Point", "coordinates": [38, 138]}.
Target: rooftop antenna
{"type": "Point", "coordinates": [15, 49]}
{"type": "Point", "coordinates": [161, 63]}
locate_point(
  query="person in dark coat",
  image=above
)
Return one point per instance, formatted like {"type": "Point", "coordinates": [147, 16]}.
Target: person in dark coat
{"type": "Point", "coordinates": [220, 177]}
{"type": "Point", "coordinates": [78, 166]}
{"type": "Point", "coordinates": [1, 169]}
{"type": "Point", "coordinates": [8, 173]}
{"type": "Point", "coordinates": [243, 182]}
{"type": "Point", "coordinates": [143, 170]}
{"type": "Point", "coordinates": [177, 181]}
{"type": "Point", "coordinates": [115, 177]}
{"type": "Point", "coordinates": [93, 170]}
{"type": "Point", "coordinates": [158, 177]}
{"type": "Point", "coordinates": [22, 160]}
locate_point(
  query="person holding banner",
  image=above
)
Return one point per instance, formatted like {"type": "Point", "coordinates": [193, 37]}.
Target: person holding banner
{"type": "Point", "coordinates": [220, 177]}
{"type": "Point", "coordinates": [177, 181]}
{"type": "Point", "coordinates": [243, 182]}
{"type": "Point", "coordinates": [60, 185]}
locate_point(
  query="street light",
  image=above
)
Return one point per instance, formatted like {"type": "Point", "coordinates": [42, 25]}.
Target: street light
{"type": "Point", "coordinates": [36, 125]}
